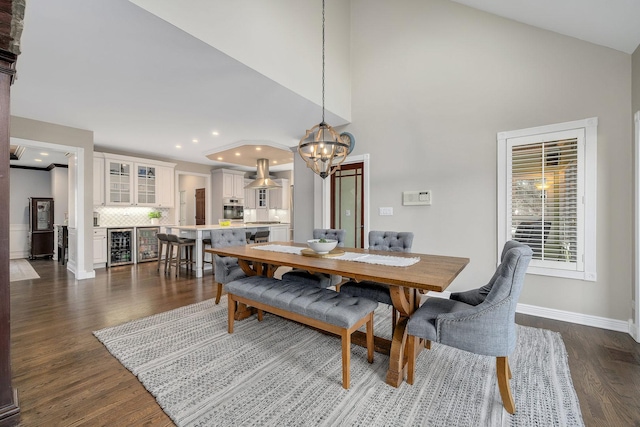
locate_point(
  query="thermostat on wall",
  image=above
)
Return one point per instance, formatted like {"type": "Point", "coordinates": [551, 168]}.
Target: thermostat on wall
{"type": "Point", "coordinates": [413, 198]}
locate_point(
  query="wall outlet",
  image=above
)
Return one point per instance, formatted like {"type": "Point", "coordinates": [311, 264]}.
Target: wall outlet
{"type": "Point", "coordinates": [385, 211]}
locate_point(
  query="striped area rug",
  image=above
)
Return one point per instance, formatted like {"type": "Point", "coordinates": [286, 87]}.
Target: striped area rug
{"type": "Point", "coordinates": [278, 373]}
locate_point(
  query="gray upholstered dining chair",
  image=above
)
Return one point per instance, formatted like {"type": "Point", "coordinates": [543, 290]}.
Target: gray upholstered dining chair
{"type": "Point", "coordinates": [226, 269]}
{"type": "Point", "coordinates": [480, 321]}
{"type": "Point", "coordinates": [319, 280]}
{"type": "Point", "coordinates": [391, 241]}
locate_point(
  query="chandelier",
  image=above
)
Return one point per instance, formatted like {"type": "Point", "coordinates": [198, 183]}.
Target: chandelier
{"type": "Point", "coordinates": [322, 149]}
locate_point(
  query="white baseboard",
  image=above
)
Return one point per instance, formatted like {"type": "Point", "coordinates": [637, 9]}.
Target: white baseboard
{"type": "Point", "coordinates": [580, 319]}
{"type": "Point", "coordinates": [634, 330]}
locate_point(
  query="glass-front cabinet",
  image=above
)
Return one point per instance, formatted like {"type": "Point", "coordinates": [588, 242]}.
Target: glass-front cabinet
{"type": "Point", "coordinates": [132, 181]}
{"type": "Point", "coordinates": [146, 185]}
{"type": "Point", "coordinates": [119, 189]}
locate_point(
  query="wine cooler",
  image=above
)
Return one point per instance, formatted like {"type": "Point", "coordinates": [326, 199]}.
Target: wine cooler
{"type": "Point", "coordinates": [147, 239]}
{"type": "Point", "coordinates": [120, 249]}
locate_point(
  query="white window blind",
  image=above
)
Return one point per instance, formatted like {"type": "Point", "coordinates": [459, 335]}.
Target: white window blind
{"type": "Point", "coordinates": [546, 186]}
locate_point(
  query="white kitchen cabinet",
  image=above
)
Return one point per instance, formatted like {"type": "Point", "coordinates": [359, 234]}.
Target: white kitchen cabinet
{"type": "Point", "coordinates": [226, 184]}
{"type": "Point", "coordinates": [279, 233]}
{"type": "Point", "coordinates": [278, 198]}
{"type": "Point", "coordinates": [146, 185]}
{"type": "Point", "coordinates": [131, 181]}
{"type": "Point", "coordinates": [232, 184]}
{"type": "Point", "coordinates": [165, 184]}
{"type": "Point", "coordinates": [100, 246]}
{"type": "Point", "coordinates": [98, 181]}
{"type": "Point", "coordinates": [249, 196]}
{"type": "Point", "coordinates": [119, 182]}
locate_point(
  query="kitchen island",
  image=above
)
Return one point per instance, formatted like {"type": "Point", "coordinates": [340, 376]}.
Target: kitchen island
{"type": "Point", "coordinates": [277, 232]}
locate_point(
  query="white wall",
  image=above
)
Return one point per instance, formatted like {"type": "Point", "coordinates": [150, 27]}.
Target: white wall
{"type": "Point", "coordinates": [433, 83]}
{"type": "Point", "coordinates": [281, 39]}
{"type": "Point", "coordinates": [60, 193]}
{"type": "Point", "coordinates": [24, 183]}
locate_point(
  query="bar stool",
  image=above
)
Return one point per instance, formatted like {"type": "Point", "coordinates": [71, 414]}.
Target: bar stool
{"type": "Point", "coordinates": [206, 242]}
{"type": "Point", "coordinates": [179, 243]}
{"type": "Point", "coordinates": [261, 236]}
{"type": "Point", "coordinates": [163, 244]}
{"type": "Point", "coordinates": [248, 235]}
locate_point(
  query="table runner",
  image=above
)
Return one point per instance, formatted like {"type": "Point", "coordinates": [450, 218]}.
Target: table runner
{"type": "Point", "coordinates": [389, 260]}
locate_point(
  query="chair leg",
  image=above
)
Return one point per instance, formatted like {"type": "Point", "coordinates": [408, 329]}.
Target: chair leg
{"type": "Point", "coordinates": [178, 259]}
{"type": "Point", "coordinates": [411, 358]}
{"type": "Point", "coordinates": [427, 344]}
{"type": "Point", "coordinates": [160, 246]}
{"type": "Point", "coordinates": [503, 370]}
{"type": "Point", "coordinates": [260, 315]}
{"type": "Point", "coordinates": [168, 260]}
{"type": "Point", "coordinates": [231, 311]}
{"type": "Point", "coordinates": [219, 294]}
{"type": "Point", "coordinates": [370, 337]}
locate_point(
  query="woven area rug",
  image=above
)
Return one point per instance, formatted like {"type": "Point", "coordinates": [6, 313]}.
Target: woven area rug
{"type": "Point", "coordinates": [20, 269]}
{"type": "Point", "coordinates": [279, 373]}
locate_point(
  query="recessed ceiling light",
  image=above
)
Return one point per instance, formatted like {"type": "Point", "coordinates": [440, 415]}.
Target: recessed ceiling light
{"type": "Point", "coordinates": [258, 148]}
{"type": "Point", "coordinates": [178, 146]}
{"type": "Point", "coordinates": [215, 133]}
{"type": "Point", "coordinates": [237, 154]}
{"type": "Point", "coordinates": [219, 158]}
{"type": "Point", "coordinates": [44, 154]}
{"type": "Point", "coordinates": [195, 141]}
{"type": "Point", "coordinates": [275, 161]}
{"type": "Point", "coordinates": [38, 160]}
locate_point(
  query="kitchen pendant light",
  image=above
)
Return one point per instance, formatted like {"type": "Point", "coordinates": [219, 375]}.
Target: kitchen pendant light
{"type": "Point", "coordinates": [322, 148]}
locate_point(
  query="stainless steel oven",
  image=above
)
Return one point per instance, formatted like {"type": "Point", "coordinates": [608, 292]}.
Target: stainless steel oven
{"type": "Point", "coordinates": [233, 209]}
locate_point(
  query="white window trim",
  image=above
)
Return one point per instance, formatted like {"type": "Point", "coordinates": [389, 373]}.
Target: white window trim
{"type": "Point", "coordinates": [590, 127]}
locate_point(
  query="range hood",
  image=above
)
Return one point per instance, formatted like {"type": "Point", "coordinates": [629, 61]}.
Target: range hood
{"type": "Point", "coordinates": [262, 180]}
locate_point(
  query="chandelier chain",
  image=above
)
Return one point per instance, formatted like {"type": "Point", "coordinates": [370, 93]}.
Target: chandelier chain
{"type": "Point", "coordinates": [323, 61]}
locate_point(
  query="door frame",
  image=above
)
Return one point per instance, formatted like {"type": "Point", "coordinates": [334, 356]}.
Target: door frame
{"type": "Point", "coordinates": [325, 190]}
{"type": "Point", "coordinates": [634, 325]}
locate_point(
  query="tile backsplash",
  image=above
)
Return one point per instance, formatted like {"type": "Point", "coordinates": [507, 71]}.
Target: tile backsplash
{"type": "Point", "coordinates": [111, 216]}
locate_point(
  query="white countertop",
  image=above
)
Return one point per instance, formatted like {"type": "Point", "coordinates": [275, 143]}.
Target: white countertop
{"type": "Point", "coordinates": [217, 226]}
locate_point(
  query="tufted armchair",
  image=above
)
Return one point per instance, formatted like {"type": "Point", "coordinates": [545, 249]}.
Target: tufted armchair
{"type": "Point", "coordinates": [226, 269]}
{"type": "Point", "coordinates": [319, 280]}
{"type": "Point", "coordinates": [391, 241]}
{"type": "Point", "coordinates": [480, 321]}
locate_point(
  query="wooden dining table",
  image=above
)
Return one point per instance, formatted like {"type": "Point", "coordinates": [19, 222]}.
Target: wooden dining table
{"type": "Point", "coordinates": [430, 273]}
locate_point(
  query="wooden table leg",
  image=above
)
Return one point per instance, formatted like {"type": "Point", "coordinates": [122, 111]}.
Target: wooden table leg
{"type": "Point", "coordinates": [405, 303]}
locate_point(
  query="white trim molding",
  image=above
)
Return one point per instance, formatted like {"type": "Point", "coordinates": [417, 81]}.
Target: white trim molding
{"type": "Point", "coordinates": [578, 318]}
{"type": "Point", "coordinates": [635, 318]}
{"type": "Point", "coordinates": [18, 241]}
{"type": "Point", "coordinates": [586, 134]}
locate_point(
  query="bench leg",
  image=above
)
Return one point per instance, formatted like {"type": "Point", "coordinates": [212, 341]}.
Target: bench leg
{"type": "Point", "coordinates": [231, 312]}
{"type": "Point", "coordinates": [346, 359]}
{"type": "Point", "coordinates": [260, 315]}
{"type": "Point", "coordinates": [370, 346]}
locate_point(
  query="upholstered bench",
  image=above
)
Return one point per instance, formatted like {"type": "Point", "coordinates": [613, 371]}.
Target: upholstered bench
{"type": "Point", "coordinates": [320, 308]}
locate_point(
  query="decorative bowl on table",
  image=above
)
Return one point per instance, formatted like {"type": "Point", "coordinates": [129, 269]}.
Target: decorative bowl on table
{"type": "Point", "coordinates": [322, 246]}
{"type": "Point", "coordinates": [224, 222]}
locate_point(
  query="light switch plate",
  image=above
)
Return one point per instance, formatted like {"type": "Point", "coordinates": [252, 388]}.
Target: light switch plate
{"type": "Point", "coordinates": [385, 211]}
{"type": "Point", "coordinates": [416, 198]}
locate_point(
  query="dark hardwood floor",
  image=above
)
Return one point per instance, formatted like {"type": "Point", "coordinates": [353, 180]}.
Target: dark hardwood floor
{"type": "Point", "coordinates": [65, 377]}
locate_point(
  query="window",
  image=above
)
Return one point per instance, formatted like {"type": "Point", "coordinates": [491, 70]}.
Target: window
{"type": "Point", "coordinates": [546, 196]}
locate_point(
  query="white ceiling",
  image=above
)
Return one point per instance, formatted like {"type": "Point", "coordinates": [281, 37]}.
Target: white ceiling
{"type": "Point", "coordinates": [144, 86]}
{"type": "Point", "coordinates": [610, 23]}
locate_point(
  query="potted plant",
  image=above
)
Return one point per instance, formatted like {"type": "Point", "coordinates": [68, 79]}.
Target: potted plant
{"type": "Point", "coordinates": [155, 217]}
